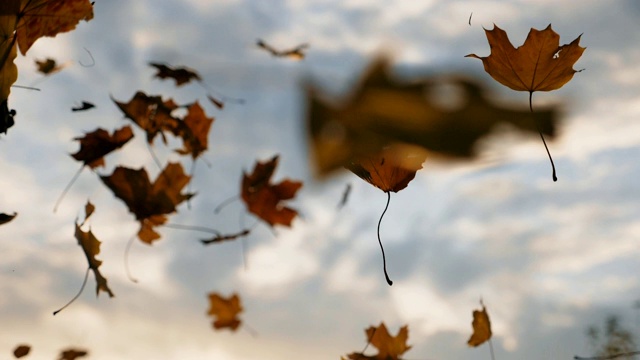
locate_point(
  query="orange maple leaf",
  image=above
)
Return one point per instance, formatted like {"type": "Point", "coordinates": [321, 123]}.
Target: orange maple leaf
{"type": "Point", "coordinates": [481, 327]}
{"type": "Point", "coordinates": [389, 347]}
{"type": "Point", "coordinates": [194, 131]}
{"type": "Point", "coordinates": [225, 310]}
{"type": "Point", "coordinates": [264, 199]}
{"type": "Point", "coordinates": [181, 75]}
{"type": "Point", "coordinates": [151, 114]}
{"type": "Point", "coordinates": [540, 64]}
{"type": "Point", "coordinates": [149, 202]}
{"type": "Point", "coordinates": [96, 144]}
{"type": "Point", "coordinates": [391, 169]}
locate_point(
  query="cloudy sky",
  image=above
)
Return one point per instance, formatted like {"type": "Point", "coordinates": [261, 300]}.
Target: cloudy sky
{"type": "Point", "coordinates": [548, 259]}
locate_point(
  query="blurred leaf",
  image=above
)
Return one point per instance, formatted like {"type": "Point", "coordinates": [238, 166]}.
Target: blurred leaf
{"type": "Point", "coordinates": [481, 327]}
{"type": "Point", "coordinates": [181, 75]}
{"type": "Point", "coordinates": [389, 347]}
{"type": "Point", "coordinates": [96, 144]}
{"type": "Point", "coordinates": [21, 351]}
{"type": "Point", "coordinates": [225, 310]}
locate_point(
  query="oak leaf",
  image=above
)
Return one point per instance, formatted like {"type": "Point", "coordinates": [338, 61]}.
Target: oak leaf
{"type": "Point", "coordinates": [540, 64]}
{"type": "Point", "coordinates": [181, 75]}
{"type": "Point", "coordinates": [21, 351]}
{"type": "Point", "coordinates": [96, 144]}
{"type": "Point", "coordinates": [91, 247]}
{"type": "Point", "coordinates": [149, 202]}
{"type": "Point", "coordinates": [194, 131]}
{"type": "Point", "coordinates": [151, 114]}
{"type": "Point", "coordinates": [481, 327]}
{"type": "Point", "coordinates": [382, 111]}
{"type": "Point", "coordinates": [225, 310]}
{"type": "Point", "coordinates": [264, 199]}
{"type": "Point", "coordinates": [389, 347]}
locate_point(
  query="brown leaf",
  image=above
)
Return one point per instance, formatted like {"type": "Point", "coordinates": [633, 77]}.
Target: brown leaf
{"type": "Point", "coordinates": [296, 53]}
{"type": "Point", "coordinates": [21, 351]}
{"type": "Point", "coordinates": [194, 131]}
{"type": "Point", "coordinates": [149, 202]}
{"type": "Point", "coordinates": [181, 75]}
{"type": "Point", "coordinates": [389, 347]}
{"type": "Point", "coordinates": [95, 145]}
{"type": "Point", "coordinates": [38, 18]}
{"type": "Point", "coordinates": [390, 170]}
{"type": "Point", "coordinates": [225, 310]}
{"type": "Point", "coordinates": [481, 327]}
{"type": "Point", "coordinates": [540, 64]}
{"type": "Point", "coordinates": [89, 208]}
{"type": "Point", "coordinates": [264, 199]}
{"type": "Point", "coordinates": [83, 107]}
{"type": "Point", "coordinates": [48, 66]}
{"type": "Point", "coordinates": [91, 247]}
{"type": "Point", "coordinates": [72, 354]}
{"type": "Point", "coordinates": [151, 114]}
{"type": "Point", "coordinates": [5, 218]}
{"type": "Point", "coordinates": [383, 111]}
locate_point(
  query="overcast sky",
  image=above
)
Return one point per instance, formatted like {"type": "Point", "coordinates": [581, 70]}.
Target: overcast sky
{"type": "Point", "coordinates": [548, 259]}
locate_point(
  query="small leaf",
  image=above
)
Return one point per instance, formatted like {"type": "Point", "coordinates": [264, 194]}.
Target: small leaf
{"type": "Point", "coordinates": [5, 218]}
{"type": "Point", "coordinates": [225, 310]}
{"type": "Point", "coordinates": [389, 347]}
{"type": "Point", "coordinates": [21, 351]}
{"type": "Point", "coordinates": [72, 354]}
{"type": "Point", "coordinates": [481, 327]}
{"type": "Point", "coordinates": [181, 75]}
{"type": "Point", "coordinates": [96, 144]}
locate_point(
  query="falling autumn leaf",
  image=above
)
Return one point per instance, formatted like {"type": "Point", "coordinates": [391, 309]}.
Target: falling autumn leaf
{"type": "Point", "coordinates": [295, 53]}
{"type": "Point", "coordinates": [22, 22]}
{"type": "Point", "coordinates": [540, 64]}
{"type": "Point", "coordinates": [481, 327]}
{"type": "Point", "coordinates": [390, 170]}
{"type": "Point", "coordinates": [84, 106]}
{"type": "Point", "coordinates": [382, 111]}
{"type": "Point", "coordinates": [151, 114]}
{"type": "Point", "coordinates": [264, 199]}
{"type": "Point", "coordinates": [72, 354]}
{"type": "Point", "coordinates": [225, 311]}
{"type": "Point", "coordinates": [5, 218]}
{"type": "Point", "coordinates": [389, 347]}
{"type": "Point", "coordinates": [21, 351]}
{"type": "Point", "coordinates": [194, 131]}
{"type": "Point", "coordinates": [149, 202]}
{"type": "Point", "coordinates": [48, 66]}
{"type": "Point", "coordinates": [96, 144]}
{"type": "Point", "coordinates": [181, 75]}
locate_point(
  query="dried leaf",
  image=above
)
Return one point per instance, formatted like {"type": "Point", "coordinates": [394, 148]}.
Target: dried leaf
{"type": "Point", "coordinates": [264, 199]}
{"type": "Point", "coordinates": [225, 310]}
{"type": "Point", "coordinates": [72, 354]}
{"type": "Point", "coordinates": [296, 53]}
{"type": "Point", "coordinates": [181, 75]}
{"type": "Point", "coordinates": [91, 247]}
{"type": "Point", "coordinates": [149, 202]}
{"type": "Point", "coordinates": [194, 131]}
{"type": "Point", "coordinates": [151, 114]}
{"type": "Point", "coordinates": [48, 66]}
{"type": "Point", "coordinates": [6, 116]}
{"type": "Point", "coordinates": [481, 327]}
{"type": "Point", "coordinates": [84, 106]}
{"type": "Point", "coordinates": [389, 347]}
{"type": "Point", "coordinates": [540, 64]}
{"type": "Point", "coordinates": [89, 208]}
{"type": "Point", "coordinates": [95, 145]}
{"type": "Point", "coordinates": [5, 218]}
{"type": "Point", "coordinates": [21, 351]}
{"type": "Point", "coordinates": [382, 111]}
{"type": "Point", "coordinates": [390, 170]}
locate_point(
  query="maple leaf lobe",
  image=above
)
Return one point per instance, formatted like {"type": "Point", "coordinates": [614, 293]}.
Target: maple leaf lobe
{"type": "Point", "coordinates": [540, 64]}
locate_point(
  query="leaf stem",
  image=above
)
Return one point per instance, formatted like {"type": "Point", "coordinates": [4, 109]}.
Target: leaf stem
{"type": "Point", "coordinates": [491, 350]}
{"type": "Point", "coordinates": [225, 203]}
{"type": "Point", "coordinates": [384, 260]}
{"type": "Point", "coordinates": [86, 275]}
{"type": "Point", "coordinates": [66, 189]}
{"type": "Point", "coordinates": [126, 259]}
{"type": "Point", "coordinates": [553, 166]}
